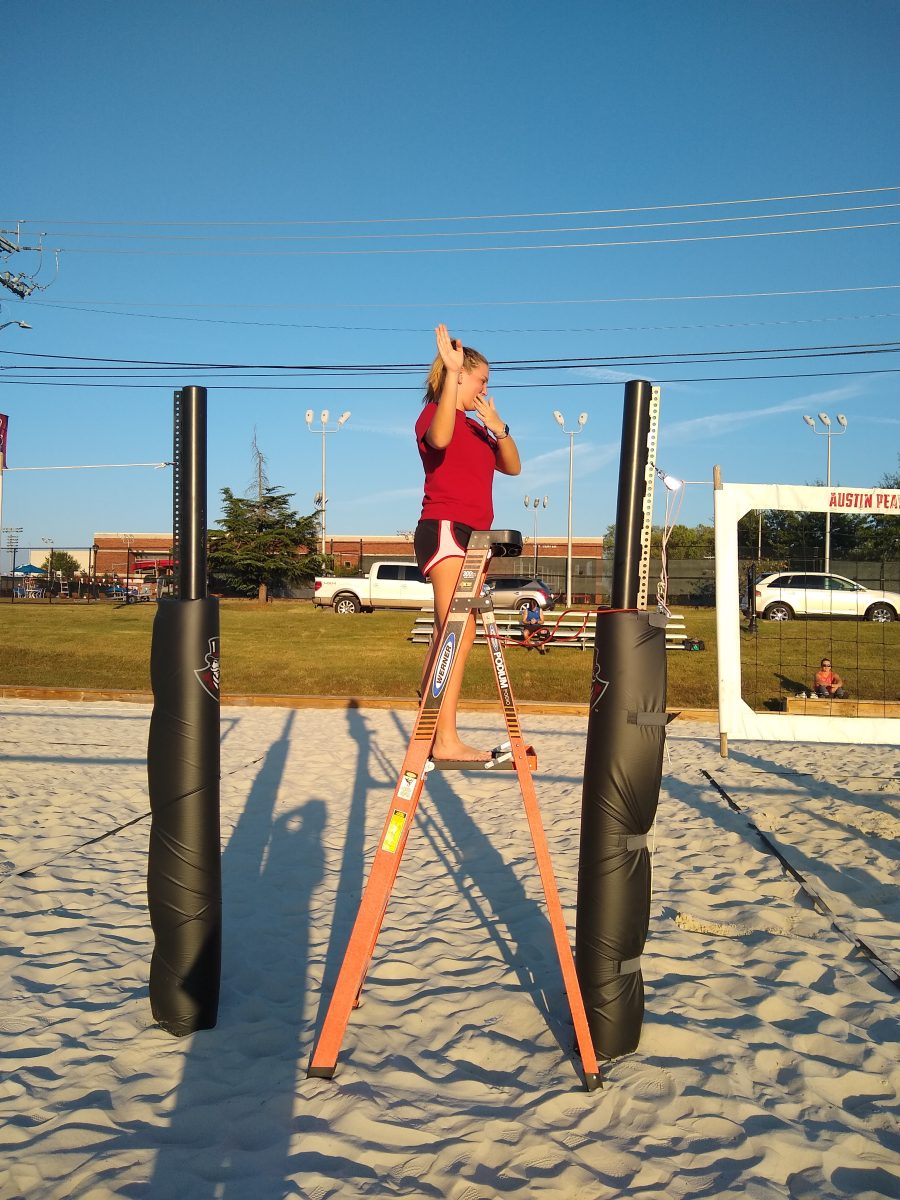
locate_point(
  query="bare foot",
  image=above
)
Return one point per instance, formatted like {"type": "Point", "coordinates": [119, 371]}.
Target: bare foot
{"type": "Point", "coordinates": [448, 749]}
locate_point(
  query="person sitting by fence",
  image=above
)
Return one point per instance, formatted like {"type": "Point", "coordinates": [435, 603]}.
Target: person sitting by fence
{"type": "Point", "coordinates": [534, 633]}
{"type": "Point", "coordinates": [828, 684]}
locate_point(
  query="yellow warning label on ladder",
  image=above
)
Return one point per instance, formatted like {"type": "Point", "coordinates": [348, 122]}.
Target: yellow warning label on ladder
{"type": "Point", "coordinates": [394, 831]}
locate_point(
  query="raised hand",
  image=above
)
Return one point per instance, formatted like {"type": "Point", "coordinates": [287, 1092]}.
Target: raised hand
{"type": "Point", "coordinates": [484, 406]}
{"type": "Point", "coordinates": [451, 352]}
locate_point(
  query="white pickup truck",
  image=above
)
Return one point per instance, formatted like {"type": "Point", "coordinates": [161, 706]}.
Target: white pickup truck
{"type": "Point", "coordinates": [387, 585]}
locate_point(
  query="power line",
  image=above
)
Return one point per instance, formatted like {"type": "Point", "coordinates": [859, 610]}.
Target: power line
{"type": "Point", "coordinates": [582, 212]}
{"type": "Point", "coordinates": [394, 236]}
{"type": "Point", "coordinates": [568, 362]}
{"type": "Point", "coordinates": [469, 329]}
{"type": "Point", "coordinates": [325, 387]}
{"type": "Point", "coordinates": [454, 304]}
{"type": "Point", "coordinates": [231, 252]}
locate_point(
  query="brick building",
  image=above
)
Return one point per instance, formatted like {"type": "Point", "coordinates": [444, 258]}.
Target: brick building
{"type": "Point", "coordinates": [359, 551]}
{"type": "Point", "coordinates": [356, 553]}
{"type": "Point", "coordinates": [126, 554]}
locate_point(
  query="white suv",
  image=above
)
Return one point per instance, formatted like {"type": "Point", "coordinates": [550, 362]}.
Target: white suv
{"type": "Point", "coordinates": [789, 594]}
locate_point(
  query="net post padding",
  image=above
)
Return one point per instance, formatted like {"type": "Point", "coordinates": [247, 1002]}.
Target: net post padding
{"type": "Point", "coordinates": [184, 891]}
{"type": "Point", "coordinates": [622, 771]}
{"type": "Point", "coordinates": [737, 720]}
{"type": "Point", "coordinates": [184, 888]}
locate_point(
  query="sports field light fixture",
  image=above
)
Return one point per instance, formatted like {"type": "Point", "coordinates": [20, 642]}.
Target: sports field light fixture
{"type": "Point", "coordinates": [322, 498]}
{"type": "Point", "coordinates": [570, 434]}
{"type": "Point", "coordinates": [828, 433]}
{"type": "Point", "coordinates": [536, 503]}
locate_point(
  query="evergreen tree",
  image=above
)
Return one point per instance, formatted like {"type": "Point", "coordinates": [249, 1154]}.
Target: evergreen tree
{"type": "Point", "coordinates": [260, 544]}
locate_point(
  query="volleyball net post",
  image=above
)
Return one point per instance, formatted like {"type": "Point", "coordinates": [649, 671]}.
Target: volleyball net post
{"type": "Point", "coordinates": [623, 758]}
{"type": "Point", "coordinates": [184, 890]}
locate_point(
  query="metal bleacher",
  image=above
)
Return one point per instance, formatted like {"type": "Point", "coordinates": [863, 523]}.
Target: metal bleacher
{"type": "Point", "coordinates": [571, 629]}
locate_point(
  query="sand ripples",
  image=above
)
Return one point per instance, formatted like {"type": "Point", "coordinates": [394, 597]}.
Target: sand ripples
{"type": "Point", "coordinates": [767, 1066]}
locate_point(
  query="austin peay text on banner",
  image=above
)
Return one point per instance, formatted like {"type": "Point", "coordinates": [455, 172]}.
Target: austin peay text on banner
{"type": "Point", "coordinates": [4, 429]}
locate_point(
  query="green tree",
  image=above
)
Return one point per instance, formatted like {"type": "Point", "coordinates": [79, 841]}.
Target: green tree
{"type": "Point", "coordinates": [880, 536]}
{"type": "Point", "coordinates": [260, 544]}
{"type": "Point", "coordinates": [685, 541]}
{"type": "Point", "coordinates": [689, 541]}
{"type": "Point", "coordinates": [785, 536]}
{"type": "Point", "coordinates": [64, 564]}
{"type": "Point", "coordinates": [798, 538]}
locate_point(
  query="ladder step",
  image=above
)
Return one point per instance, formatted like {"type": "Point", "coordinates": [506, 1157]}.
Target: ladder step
{"type": "Point", "coordinates": [498, 762]}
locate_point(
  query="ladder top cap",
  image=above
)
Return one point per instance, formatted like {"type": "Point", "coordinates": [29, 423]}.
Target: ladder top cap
{"type": "Point", "coordinates": [503, 542]}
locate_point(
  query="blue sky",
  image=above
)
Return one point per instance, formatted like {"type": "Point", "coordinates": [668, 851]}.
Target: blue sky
{"type": "Point", "coordinates": [274, 185]}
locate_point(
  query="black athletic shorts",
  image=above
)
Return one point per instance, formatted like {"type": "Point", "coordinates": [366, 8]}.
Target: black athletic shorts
{"type": "Point", "coordinates": [436, 540]}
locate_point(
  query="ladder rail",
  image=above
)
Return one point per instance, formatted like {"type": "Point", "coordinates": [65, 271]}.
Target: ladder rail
{"type": "Point", "coordinates": [424, 731]}
{"type": "Point", "coordinates": [395, 832]}
{"type": "Point", "coordinates": [441, 664]}
{"type": "Point", "coordinates": [542, 856]}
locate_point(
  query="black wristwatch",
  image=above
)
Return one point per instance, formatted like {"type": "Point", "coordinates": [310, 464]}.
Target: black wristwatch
{"type": "Point", "coordinates": [504, 434]}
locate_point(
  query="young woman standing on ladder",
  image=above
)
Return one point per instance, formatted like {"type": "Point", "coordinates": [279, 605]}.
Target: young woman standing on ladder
{"type": "Point", "coordinates": [459, 456]}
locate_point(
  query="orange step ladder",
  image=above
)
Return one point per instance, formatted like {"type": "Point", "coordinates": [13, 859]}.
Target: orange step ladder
{"type": "Point", "coordinates": [514, 755]}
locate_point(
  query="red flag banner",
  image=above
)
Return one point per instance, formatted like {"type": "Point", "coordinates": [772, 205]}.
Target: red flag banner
{"type": "Point", "coordinates": [4, 427]}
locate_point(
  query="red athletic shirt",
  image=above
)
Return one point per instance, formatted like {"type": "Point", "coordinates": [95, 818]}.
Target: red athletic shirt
{"type": "Point", "coordinates": [458, 480]}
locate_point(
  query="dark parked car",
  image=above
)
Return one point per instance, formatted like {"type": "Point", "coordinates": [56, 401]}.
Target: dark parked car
{"type": "Point", "coordinates": [514, 591]}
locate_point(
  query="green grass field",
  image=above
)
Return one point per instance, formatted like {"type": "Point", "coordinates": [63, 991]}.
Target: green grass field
{"type": "Point", "coordinates": [289, 647]}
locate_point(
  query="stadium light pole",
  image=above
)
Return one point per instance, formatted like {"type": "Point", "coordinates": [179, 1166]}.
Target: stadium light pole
{"type": "Point", "coordinates": [325, 429]}
{"type": "Point", "coordinates": [12, 541]}
{"type": "Point", "coordinates": [828, 433]}
{"type": "Point", "coordinates": [536, 503]}
{"type": "Point", "coordinates": [570, 433]}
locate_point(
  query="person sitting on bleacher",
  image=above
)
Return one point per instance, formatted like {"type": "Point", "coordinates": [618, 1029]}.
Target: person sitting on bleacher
{"type": "Point", "coordinates": [534, 634]}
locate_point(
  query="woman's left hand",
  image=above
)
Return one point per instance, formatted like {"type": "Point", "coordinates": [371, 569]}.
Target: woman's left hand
{"type": "Point", "coordinates": [484, 406]}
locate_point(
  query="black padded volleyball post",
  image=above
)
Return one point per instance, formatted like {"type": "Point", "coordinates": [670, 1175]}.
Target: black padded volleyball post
{"type": "Point", "coordinates": [622, 769]}
{"type": "Point", "coordinates": [184, 891]}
